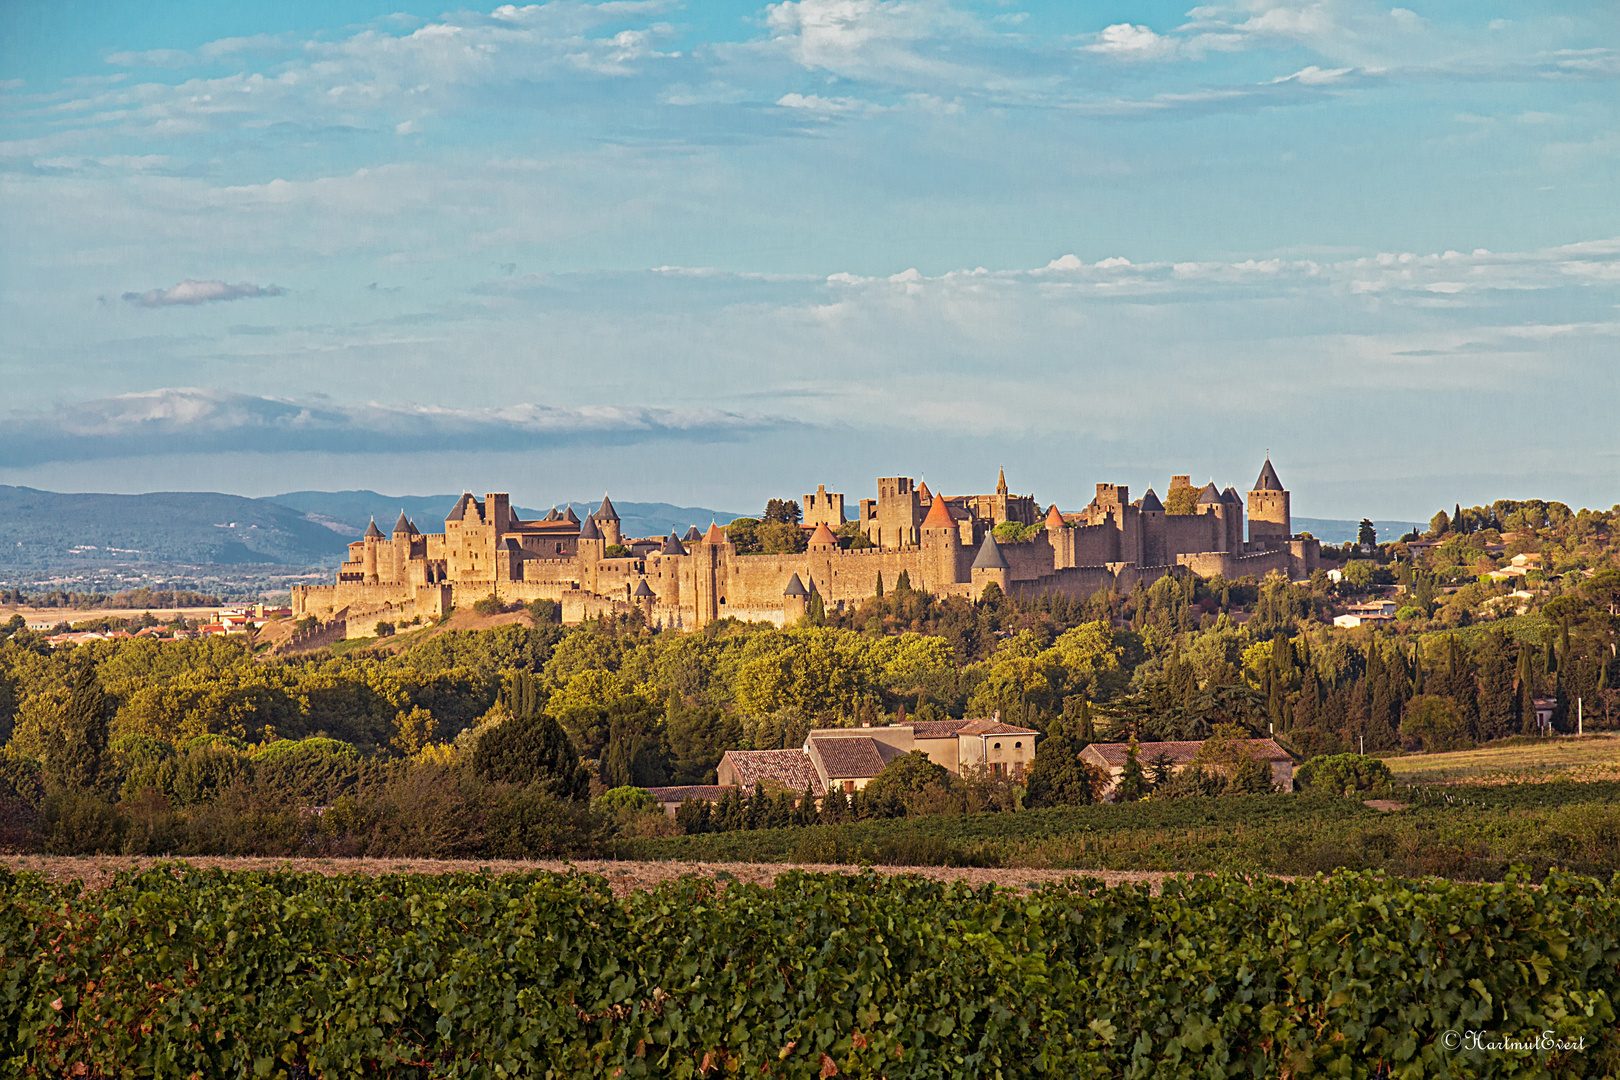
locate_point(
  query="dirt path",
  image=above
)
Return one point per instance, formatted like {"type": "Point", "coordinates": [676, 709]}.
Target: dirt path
{"type": "Point", "coordinates": [624, 877]}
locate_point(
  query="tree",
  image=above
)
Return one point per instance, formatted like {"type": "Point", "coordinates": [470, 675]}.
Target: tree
{"type": "Point", "coordinates": [780, 538]}
{"type": "Point", "coordinates": [1439, 525]}
{"type": "Point", "coordinates": [1132, 782]}
{"type": "Point", "coordinates": [1343, 774]}
{"type": "Point", "coordinates": [902, 583]}
{"type": "Point", "coordinates": [1183, 500]}
{"type": "Point", "coordinates": [1432, 721]}
{"type": "Point", "coordinates": [532, 750]}
{"type": "Point", "coordinates": [635, 754]}
{"type": "Point", "coordinates": [1160, 768]}
{"type": "Point", "coordinates": [413, 730]}
{"type": "Point", "coordinates": [879, 592]}
{"type": "Point", "coordinates": [84, 732]}
{"type": "Point", "coordinates": [892, 791]}
{"type": "Point", "coordinates": [1367, 533]}
{"type": "Point", "coordinates": [1058, 777]}
{"type": "Point", "coordinates": [785, 511]}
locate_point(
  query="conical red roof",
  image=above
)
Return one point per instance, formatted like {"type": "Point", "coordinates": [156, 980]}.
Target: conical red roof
{"type": "Point", "coordinates": [714, 535]}
{"type": "Point", "coordinates": [823, 537]}
{"type": "Point", "coordinates": [1054, 520]}
{"type": "Point", "coordinates": [939, 515]}
{"type": "Point", "coordinates": [923, 494]}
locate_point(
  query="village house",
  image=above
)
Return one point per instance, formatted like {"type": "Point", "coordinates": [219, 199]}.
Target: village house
{"type": "Point", "coordinates": [1110, 757]}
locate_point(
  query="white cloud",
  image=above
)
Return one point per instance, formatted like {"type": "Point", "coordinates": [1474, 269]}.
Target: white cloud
{"type": "Point", "coordinates": [1127, 42]}
{"type": "Point", "coordinates": [194, 420]}
{"type": "Point", "coordinates": [191, 292]}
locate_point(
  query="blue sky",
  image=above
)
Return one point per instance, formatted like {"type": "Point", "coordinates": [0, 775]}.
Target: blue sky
{"type": "Point", "coordinates": [711, 253]}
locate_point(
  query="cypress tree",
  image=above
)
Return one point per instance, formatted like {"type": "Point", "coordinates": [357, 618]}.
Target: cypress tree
{"type": "Point", "coordinates": [1527, 693]}
{"type": "Point", "coordinates": [84, 730]}
{"type": "Point", "coordinates": [879, 593]}
{"type": "Point", "coordinates": [903, 582]}
{"type": "Point", "coordinates": [1496, 711]}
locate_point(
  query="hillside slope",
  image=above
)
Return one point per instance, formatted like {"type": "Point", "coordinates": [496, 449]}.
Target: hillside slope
{"type": "Point", "coordinates": [46, 528]}
{"type": "Point", "coordinates": [353, 509]}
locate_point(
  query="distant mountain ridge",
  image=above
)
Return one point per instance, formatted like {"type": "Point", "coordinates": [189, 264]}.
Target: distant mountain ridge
{"type": "Point", "coordinates": [40, 529]}
{"type": "Point", "coordinates": [348, 512]}
{"type": "Point", "coordinates": [1333, 531]}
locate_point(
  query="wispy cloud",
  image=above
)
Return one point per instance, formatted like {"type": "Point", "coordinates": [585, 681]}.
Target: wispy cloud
{"type": "Point", "coordinates": [191, 293]}
{"type": "Point", "coordinates": [191, 420]}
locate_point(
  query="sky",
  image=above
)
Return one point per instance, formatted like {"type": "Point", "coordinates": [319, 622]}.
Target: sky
{"type": "Point", "coordinates": [712, 253]}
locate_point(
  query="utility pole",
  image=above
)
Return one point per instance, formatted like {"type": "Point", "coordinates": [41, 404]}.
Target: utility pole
{"type": "Point", "coordinates": [1362, 739]}
{"type": "Point", "coordinates": [1578, 716]}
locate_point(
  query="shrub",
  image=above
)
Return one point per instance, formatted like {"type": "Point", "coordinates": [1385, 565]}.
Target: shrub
{"type": "Point", "coordinates": [1343, 774]}
{"type": "Point", "coordinates": [489, 605]}
{"type": "Point", "coordinates": [385, 629]}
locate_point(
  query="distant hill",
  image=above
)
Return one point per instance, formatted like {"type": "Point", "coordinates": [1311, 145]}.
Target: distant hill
{"type": "Point", "coordinates": [348, 512]}
{"type": "Point", "coordinates": [1332, 531]}
{"type": "Point", "coordinates": [40, 529]}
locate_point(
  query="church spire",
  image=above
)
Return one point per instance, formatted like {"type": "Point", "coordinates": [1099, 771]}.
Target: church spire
{"type": "Point", "coordinates": [1001, 482]}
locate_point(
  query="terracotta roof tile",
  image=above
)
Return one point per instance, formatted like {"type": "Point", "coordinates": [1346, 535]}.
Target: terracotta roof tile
{"type": "Point", "coordinates": [854, 757]}
{"type": "Point", "coordinates": [939, 515]}
{"type": "Point", "coordinates": [1180, 752]}
{"type": "Point", "coordinates": [707, 792]}
{"type": "Point", "coordinates": [790, 768]}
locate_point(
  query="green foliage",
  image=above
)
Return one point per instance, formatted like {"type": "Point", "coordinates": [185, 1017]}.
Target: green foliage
{"type": "Point", "coordinates": [632, 800]}
{"type": "Point", "coordinates": [786, 512]}
{"type": "Point", "coordinates": [822, 975]}
{"type": "Point", "coordinates": [532, 750]}
{"type": "Point", "coordinates": [1342, 774]}
{"type": "Point", "coordinates": [1058, 777]}
{"type": "Point", "coordinates": [1183, 500]}
{"type": "Point", "coordinates": [1133, 783]}
{"type": "Point", "coordinates": [1012, 532]}
{"type": "Point", "coordinates": [491, 604]}
{"type": "Point", "coordinates": [615, 551]}
{"type": "Point", "coordinates": [892, 792]}
{"type": "Point", "coordinates": [77, 760]}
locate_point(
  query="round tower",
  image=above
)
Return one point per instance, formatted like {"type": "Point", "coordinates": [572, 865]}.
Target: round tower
{"type": "Point", "coordinates": [607, 519]}
{"type": "Point", "coordinates": [374, 536]}
{"type": "Point", "coordinates": [1270, 524]}
{"type": "Point", "coordinates": [941, 541]}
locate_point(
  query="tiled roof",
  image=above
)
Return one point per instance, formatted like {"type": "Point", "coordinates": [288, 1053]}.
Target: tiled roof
{"type": "Point", "coordinates": [937, 729]}
{"type": "Point", "coordinates": [606, 512]}
{"type": "Point", "coordinates": [1151, 501]}
{"type": "Point", "coordinates": [708, 792]}
{"type": "Point", "coordinates": [790, 768]}
{"type": "Point", "coordinates": [1209, 495]}
{"type": "Point", "coordinates": [1113, 754]}
{"type": "Point", "coordinates": [989, 556]}
{"type": "Point", "coordinates": [672, 545]}
{"type": "Point", "coordinates": [823, 537]}
{"type": "Point", "coordinates": [372, 532]}
{"type": "Point", "coordinates": [939, 515]}
{"type": "Point", "coordinates": [714, 535]}
{"type": "Point", "coordinates": [589, 531]}
{"type": "Point", "coordinates": [993, 727]}
{"type": "Point", "coordinates": [1267, 480]}
{"type": "Point", "coordinates": [851, 758]}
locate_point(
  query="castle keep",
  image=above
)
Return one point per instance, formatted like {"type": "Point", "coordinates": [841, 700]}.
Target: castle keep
{"type": "Point", "coordinates": [944, 544]}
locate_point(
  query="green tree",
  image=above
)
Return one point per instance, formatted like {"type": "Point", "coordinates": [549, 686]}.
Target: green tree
{"type": "Point", "coordinates": [1367, 533]}
{"type": "Point", "coordinates": [1431, 721]}
{"type": "Point", "coordinates": [1439, 525]}
{"type": "Point", "coordinates": [1058, 777]}
{"type": "Point", "coordinates": [786, 511]}
{"type": "Point", "coordinates": [1183, 500]}
{"type": "Point", "coordinates": [532, 750]}
{"type": "Point", "coordinates": [780, 538]}
{"type": "Point", "coordinates": [84, 732]}
{"type": "Point", "coordinates": [892, 792]}
{"type": "Point", "coordinates": [1133, 783]}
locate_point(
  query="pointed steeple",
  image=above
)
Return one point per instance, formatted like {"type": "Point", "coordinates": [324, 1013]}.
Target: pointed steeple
{"type": "Point", "coordinates": [569, 516]}
{"type": "Point", "coordinates": [692, 535]}
{"type": "Point", "coordinates": [589, 531]}
{"type": "Point", "coordinates": [924, 496]}
{"type": "Point", "coordinates": [823, 537]}
{"type": "Point", "coordinates": [939, 515]}
{"type": "Point", "coordinates": [1231, 497]}
{"type": "Point", "coordinates": [1209, 495]}
{"type": "Point", "coordinates": [672, 545]}
{"type": "Point", "coordinates": [989, 556]}
{"type": "Point", "coordinates": [402, 525]}
{"type": "Point", "coordinates": [643, 591]}
{"type": "Point", "coordinates": [552, 515]}
{"type": "Point", "coordinates": [605, 512]}
{"type": "Point", "coordinates": [1268, 478]}
{"type": "Point", "coordinates": [715, 535]}
{"type": "Point", "coordinates": [372, 532]}
{"type": "Point", "coordinates": [795, 587]}
{"type": "Point", "coordinates": [1001, 482]}
{"type": "Point", "coordinates": [1151, 503]}
{"type": "Point", "coordinates": [1054, 520]}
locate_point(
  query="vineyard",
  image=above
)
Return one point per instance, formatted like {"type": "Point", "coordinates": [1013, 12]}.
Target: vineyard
{"type": "Point", "coordinates": [180, 972]}
{"type": "Point", "coordinates": [1474, 833]}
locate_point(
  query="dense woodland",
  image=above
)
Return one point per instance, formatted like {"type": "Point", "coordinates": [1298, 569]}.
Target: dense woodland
{"type": "Point", "coordinates": [521, 738]}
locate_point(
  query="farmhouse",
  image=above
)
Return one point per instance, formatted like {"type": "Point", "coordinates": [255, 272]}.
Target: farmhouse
{"type": "Point", "coordinates": [1110, 757]}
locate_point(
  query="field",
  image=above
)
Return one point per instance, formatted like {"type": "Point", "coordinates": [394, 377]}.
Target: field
{"type": "Point", "coordinates": [1574, 826]}
{"type": "Point", "coordinates": [187, 972]}
{"type": "Point", "coordinates": [1584, 758]}
{"type": "Point", "coordinates": [623, 877]}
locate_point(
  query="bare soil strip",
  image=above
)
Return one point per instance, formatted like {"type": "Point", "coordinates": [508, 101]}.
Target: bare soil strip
{"type": "Point", "coordinates": [624, 877]}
